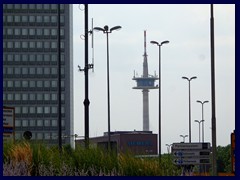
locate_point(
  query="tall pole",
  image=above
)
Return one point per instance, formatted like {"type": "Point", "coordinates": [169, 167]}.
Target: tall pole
{"type": "Point", "coordinates": [160, 86]}
{"type": "Point", "coordinates": [199, 122]}
{"type": "Point", "coordinates": [86, 100]}
{"type": "Point", "coordinates": [214, 148]}
{"type": "Point", "coordinates": [189, 89]}
{"type": "Point", "coordinates": [59, 84]}
{"type": "Point", "coordinates": [108, 95]}
{"type": "Point", "coordinates": [106, 30]}
{"type": "Point", "coordinates": [202, 103]}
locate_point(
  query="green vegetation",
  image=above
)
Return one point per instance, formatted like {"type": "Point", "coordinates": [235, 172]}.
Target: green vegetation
{"type": "Point", "coordinates": [36, 159]}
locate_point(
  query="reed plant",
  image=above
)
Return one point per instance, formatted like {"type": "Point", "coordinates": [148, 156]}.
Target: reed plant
{"type": "Point", "coordinates": [38, 159]}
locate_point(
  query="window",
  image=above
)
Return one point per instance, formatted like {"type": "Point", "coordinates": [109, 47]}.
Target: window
{"type": "Point", "coordinates": [24, 123]}
{"type": "Point", "coordinates": [54, 45]}
{"type": "Point", "coordinates": [39, 56]}
{"type": "Point", "coordinates": [61, 32]}
{"type": "Point", "coordinates": [62, 45]}
{"type": "Point", "coordinates": [17, 110]}
{"type": "Point", "coordinates": [32, 6]}
{"type": "Point", "coordinates": [54, 6]}
{"type": "Point", "coordinates": [24, 32]}
{"type": "Point", "coordinates": [17, 44]}
{"type": "Point", "coordinates": [32, 57]}
{"type": "Point", "coordinates": [62, 71]}
{"type": "Point", "coordinates": [54, 110]}
{"type": "Point", "coordinates": [54, 57]}
{"type": "Point", "coordinates": [10, 31]}
{"type": "Point", "coordinates": [46, 84]}
{"type": "Point", "coordinates": [9, 97]}
{"type": "Point", "coordinates": [24, 45]}
{"type": "Point", "coordinates": [17, 32]}
{"type": "Point", "coordinates": [17, 19]}
{"type": "Point", "coordinates": [32, 110]}
{"type": "Point", "coordinates": [47, 45]}
{"type": "Point", "coordinates": [31, 44]}
{"type": "Point", "coordinates": [39, 97]}
{"type": "Point", "coordinates": [54, 96]}
{"type": "Point", "coordinates": [24, 6]}
{"type": "Point", "coordinates": [39, 19]}
{"type": "Point", "coordinates": [39, 45]}
{"type": "Point", "coordinates": [46, 70]}
{"type": "Point", "coordinates": [54, 71]}
{"type": "Point", "coordinates": [25, 97]}
{"type": "Point", "coordinates": [39, 71]}
{"type": "Point", "coordinates": [39, 84]}
{"type": "Point", "coordinates": [39, 32]}
{"type": "Point", "coordinates": [39, 110]}
{"type": "Point", "coordinates": [61, 19]}
{"type": "Point", "coordinates": [32, 70]}
{"type": "Point", "coordinates": [46, 57]}
{"type": "Point", "coordinates": [25, 84]}
{"type": "Point", "coordinates": [17, 57]}
{"type": "Point", "coordinates": [53, 19]}
{"type": "Point", "coordinates": [10, 19]}
{"type": "Point", "coordinates": [10, 44]}
{"type": "Point", "coordinates": [46, 6]}
{"type": "Point", "coordinates": [54, 123]}
{"type": "Point", "coordinates": [46, 122]}
{"type": "Point", "coordinates": [32, 32]}
{"type": "Point", "coordinates": [39, 122]}
{"type": "Point", "coordinates": [54, 84]}
{"type": "Point", "coordinates": [32, 97]}
{"type": "Point", "coordinates": [10, 70]}
{"type": "Point", "coordinates": [9, 57]}
{"type": "Point", "coordinates": [39, 6]}
{"type": "Point", "coordinates": [32, 123]}
{"type": "Point", "coordinates": [46, 32]}
{"type": "Point", "coordinates": [53, 32]}
{"type": "Point", "coordinates": [10, 84]}
{"type": "Point", "coordinates": [46, 110]}
{"type": "Point", "coordinates": [54, 136]}
{"type": "Point", "coordinates": [32, 19]}
{"type": "Point", "coordinates": [17, 123]}
{"type": "Point", "coordinates": [24, 19]}
{"type": "Point", "coordinates": [17, 70]}
{"type": "Point", "coordinates": [25, 110]}
{"type": "Point", "coordinates": [32, 84]}
{"type": "Point", "coordinates": [47, 136]}
{"type": "Point", "coordinates": [17, 97]}
{"type": "Point", "coordinates": [39, 135]}
{"type": "Point", "coordinates": [62, 96]}
{"type": "Point", "coordinates": [17, 84]}
{"type": "Point", "coordinates": [46, 19]}
{"type": "Point", "coordinates": [47, 97]}
{"type": "Point", "coordinates": [24, 70]}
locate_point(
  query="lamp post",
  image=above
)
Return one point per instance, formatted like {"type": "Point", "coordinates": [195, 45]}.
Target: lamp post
{"type": "Point", "coordinates": [183, 136]}
{"type": "Point", "coordinates": [189, 80]}
{"type": "Point", "coordinates": [159, 128]}
{"type": "Point", "coordinates": [199, 122]}
{"type": "Point", "coordinates": [168, 147]}
{"type": "Point", "coordinates": [202, 118]}
{"type": "Point", "coordinates": [106, 31]}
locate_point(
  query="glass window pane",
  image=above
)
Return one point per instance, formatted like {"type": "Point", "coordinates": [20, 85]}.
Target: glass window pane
{"type": "Point", "coordinates": [32, 32]}
{"type": "Point", "coordinates": [46, 122]}
{"type": "Point", "coordinates": [54, 110]}
{"type": "Point", "coordinates": [25, 110]}
{"type": "Point", "coordinates": [32, 19]}
{"type": "Point", "coordinates": [46, 84]}
{"type": "Point", "coordinates": [47, 110]}
{"type": "Point", "coordinates": [24, 70]}
{"type": "Point", "coordinates": [39, 110]}
{"type": "Point", "coordinates": [25, 97]}
{"type": "Point", "coordinates": [25, 84]}
{"type": "Point", "coordinates": [39, 97]}
{"type": "Point", "coordinates": [32, 110]}
{"type": "Point", "coordinates": [17, 97]}
{"type": "Point", "coordinates": [32, 123]}
{"type": "Point", "coordinates": [39, 84]}
{"type": "Point", "coordinates": [24, 18]}
{"type": "Point", "coordinates": [32, 84]}
{"type": "Point", "coordinates": [32, 70]}
{"type": "Point", "coordinates": [54, 123]}
{"type": "Point", "coordinates": [54, 97]}
{"type": "Point", "coordinates": [32, 97]}
{"type": "Point", "coordinates": [17, 84]}
{"type": "Point", "coordinates": [24, 123]}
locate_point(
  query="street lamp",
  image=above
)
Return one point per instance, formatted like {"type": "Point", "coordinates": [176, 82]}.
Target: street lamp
{"type": "Point", "coordinates": [168, 147]}
{"type": "Point", "coordinates": [159, 128]}
{"type": "Point", "coordinates": [189, 80]}
{"type": "Point", "coordinates": [106, 31]}
{"type": "Point", "coordinates": [202, 118]}
{"type": "Point", "coordinates": [184, 136]}
{"type": "Point", "coordinates": [199, 122]}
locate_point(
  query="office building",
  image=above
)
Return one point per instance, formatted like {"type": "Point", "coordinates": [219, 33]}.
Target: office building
{"type": "Point", "coordinates": [31, 47]}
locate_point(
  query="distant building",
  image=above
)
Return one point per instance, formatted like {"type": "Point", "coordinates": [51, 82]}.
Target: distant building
{"type": "Point", "coordinates": [30, 69]}
{"type": "Point", "coordinates": [136, 142]}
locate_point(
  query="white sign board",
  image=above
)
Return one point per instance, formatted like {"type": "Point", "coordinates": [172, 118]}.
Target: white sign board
{"type": "Point", "coordinates": [189, 153]}
{"type": "Point", "coordinates": [192, 161]}
{"type": "Point", "coordinates": [181, 146]}
{"type": "Point", "coordinates": [8, 123]}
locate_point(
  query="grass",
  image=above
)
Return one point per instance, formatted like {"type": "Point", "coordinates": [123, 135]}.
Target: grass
{"type": "Point", "coordinates": [38, 159]}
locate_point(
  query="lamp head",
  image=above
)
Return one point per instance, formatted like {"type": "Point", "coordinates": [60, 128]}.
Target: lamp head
{"type": "Point", "coordinates": [115, 28]}
{"type": "Point", "coordinates": [154, 42]}
{"type": "Point", "coordinates": [164, 42]}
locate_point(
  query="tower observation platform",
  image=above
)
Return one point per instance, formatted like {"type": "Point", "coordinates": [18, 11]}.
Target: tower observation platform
{"type": "Point", "coordinates": [145, 82]}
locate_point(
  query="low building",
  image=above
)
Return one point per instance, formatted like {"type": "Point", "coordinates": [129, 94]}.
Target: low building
{"type": "Point", "coordinates": [135, 142]}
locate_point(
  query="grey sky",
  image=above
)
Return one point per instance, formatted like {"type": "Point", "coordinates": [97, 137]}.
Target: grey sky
{"type": "Point", "coordinates": [187, 27]}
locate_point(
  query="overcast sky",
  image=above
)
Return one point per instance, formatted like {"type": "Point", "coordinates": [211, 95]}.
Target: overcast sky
{"type": "Point", "coordinates": [187, 27]}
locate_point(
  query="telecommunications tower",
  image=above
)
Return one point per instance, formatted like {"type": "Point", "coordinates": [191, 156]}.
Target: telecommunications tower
{"type": "Point", "coordinates": [145, 82]}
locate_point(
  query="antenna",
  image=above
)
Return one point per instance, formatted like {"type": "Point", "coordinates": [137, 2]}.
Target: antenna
{"type": "Point", "coordinates": [92, 47]}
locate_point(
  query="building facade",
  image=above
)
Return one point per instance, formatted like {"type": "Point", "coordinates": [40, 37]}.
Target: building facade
{"type": "Point", "coordinates": [135, 142]}
{"type": "Point", "coordinates": [34, 37]}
